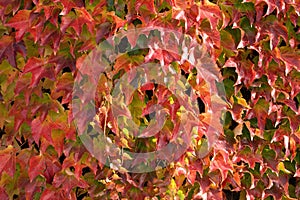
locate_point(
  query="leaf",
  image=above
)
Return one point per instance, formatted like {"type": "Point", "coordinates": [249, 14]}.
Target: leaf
{"type": "Point", "coordinates": [3, 194]}
{"type": "Point", "coordinates": [7, 50]}
{"type": "Point", "coordinates": [68, 5]}
{"type": "Point", "coordinates": [58, 138]}
{"type": "Point", "coordinates": [260, 111]}
{"type": "Point", "coordinates": [274, 29]}
{"type": "Point", "coordinates": [68, 181]}
{"type": "Point", "coordinates": [77, 20]}
{"type": "Point", "coordinates": [39, 69]}
{"type": "Point", "coordinates": [21, 23]}
{"type": "Point", "coordinates": [290, 57]}
{"type": "Point", "coordinates": [8, 161]}
{"type": "Point", "coordinates": [40, 128]}
{"type": "Point", "coordinates": [36, 167]}
{"type": "Point", "coordinates": [148, 4]}
{"type": "Point", "coordinates": [43, 165]}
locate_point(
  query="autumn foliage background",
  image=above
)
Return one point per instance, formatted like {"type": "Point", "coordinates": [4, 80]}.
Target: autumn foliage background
{"type": "Point", "coordinates": [255, 45]}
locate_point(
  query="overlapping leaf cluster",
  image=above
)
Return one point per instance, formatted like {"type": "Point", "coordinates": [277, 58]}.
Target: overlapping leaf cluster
{"type": "Point", "coordinates": [256, 46]}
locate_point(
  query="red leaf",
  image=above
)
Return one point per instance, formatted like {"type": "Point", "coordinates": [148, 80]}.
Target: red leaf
{"type": "Point", "coordinates": [3, 194]}
{"type": "Point", "coordinates": [68, 182]}
{"type": "Point", "coordinates": [69, 5]}
{"type": "Point", "coordinates": [36, 166]}
{"type": "Point", "coordinates": [40, 128]}
{"type": "Point", "coordinates": [39, 69]}
{"type": "Point", "coordinates": [20, 22]}
{"type": "Point", "coordinates": [43, 165]}
{"type": "Point", "coordinates": [149, 4]}
{"type": "Point", "coordinates": [77, 21]}
{"type": "Point", "coordinates": [222, 163]}
{"type": "Point", "coordinates": [290, 57]}
{"type": "Point", "coordinates": [8, 161]}
{"type": "Point", "coordinates": [7, 50]}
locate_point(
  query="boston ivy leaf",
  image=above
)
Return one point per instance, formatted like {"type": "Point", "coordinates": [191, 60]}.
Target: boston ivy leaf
{"type": "Point", "coordinates": [8, 160]}
{"type": "Point", "coordinates": [260, 111]}
{"type": "Point", "coordinates": [7, 50]}
{"type": "Point", "coordinates": [77, 20]}
{"type": "Point", "coordinates": [39, 69]}
{"type": "Point", "coordinates": [3, 194]}
{"type": "Point", "coordinates": [43, 165]}
{"type": "Point", "coordinates": [291, 57]}
{"type": "Point", "coordinates": [67, 181]}
{"type": "Point", "coordinates": [68, 5]}
{"type": "Point", "coordinates": [21, 23]}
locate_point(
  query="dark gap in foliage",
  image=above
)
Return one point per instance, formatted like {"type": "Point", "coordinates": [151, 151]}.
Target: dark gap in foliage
{"type": "Point", "coordinates": [186, 75]}
{"type": "Point", "coordinates": [230, 72]}
{"type": "Point", "coordinates": [66, 69]}
{"type": "Point", "coordinates": [1, 97]}
{"type": "Point", "coordinates": [16, 196]}
{"type": "Point", "coordinates": [296, 101]}
{"type": "Point", "coordinates": [265, 9]}
{"type": "Point", "coordinates": [126, 9]}
{"type": "Point", "coordinates": [148, 117]}
{"type": "Point", "coordinates": [201, 105]}
{"type": "Point", "coordinates": [66, 106]}
{"type": "Point", "coordinates": [59, 99]}
{"type": "Point", "coordinates": [231, 195]}
{"type": "Point", "coordinates": [165, 9]}
{"type": "Point", "coordinates": [36, 146]}
{"type": "Point", "coordinates": [293, 181]}
{"type": "Point", "coordinates": [85, 170]}
{"type": "Point", "coordinates": [12, 103]}
{"type": "Point", "coordinates": [252, 55]}
{"type": "Point", "coordinates": [233, 125]}
{"type": "Point", "coordinates": [282, 43]}
{"type": "Point", "coordinates": [62, 158]}
{"type": "Point", "coordinates": [184, 181]}
{"type": "Point", "coordinates": [23, 143]}
{"type": "Point", "coordinates": [72, 169]}
{"type": "Point", "coordinates": [59, 19]}
{"type": "Point", "coordinates": [48, 91]}
{"type": "Point", "coordinates": [2, 132]}
{"type": "Point", "coordinates": [136, 22]}
{"type": "Point", "coordinates": [82, 196]}
{"type": "Point", "coordinates": [149, 94]}
{"type": "Point", "coordinates": [246, 93]}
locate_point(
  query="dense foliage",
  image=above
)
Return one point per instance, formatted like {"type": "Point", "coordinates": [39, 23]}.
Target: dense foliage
{"type": "Point", "coordinates": [255, 45]}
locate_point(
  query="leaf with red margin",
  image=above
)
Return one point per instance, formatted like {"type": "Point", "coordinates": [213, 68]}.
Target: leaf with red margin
{"type": "Point", "coordinates": [69, 5]}
{"type": "Point", "coordinates": [290, 57]}
{"type": "Point", "coordinates": [77, 21]}
{"type": "Point", "coordinates": [58, 138]}
{"type": "Point", "coordinates": [222, 163]}
{"type": "Point", "coordinates": [40, 128]}
{"type": "Point", "coordinates": [274, 29]}
{"type": "Point", "coordinates": [3, 194]}
{"type": "Point", "coordinates": [7, 50]}
{"type": "Point", "coordinates": [20, 22]}
{"type": "Point", "coordinates": [149, 4]}
{"type": "Point", "coordinates": [68, 181]}
{"type": "Point", "coordinates": [205, 10]}
{"type": "Point", "coordinates": [39, 69]}
{"type": "Point", "coordinates": [260, 111]}
{"type": "Point", "coordinates": [43, 165]}
{"type": "Point", "coordinates": [8, 161]}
